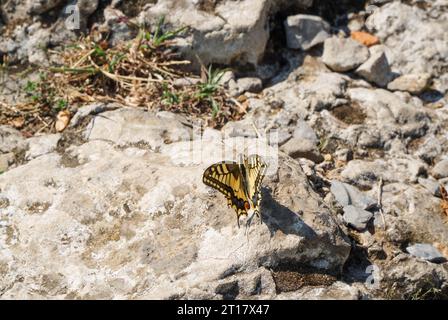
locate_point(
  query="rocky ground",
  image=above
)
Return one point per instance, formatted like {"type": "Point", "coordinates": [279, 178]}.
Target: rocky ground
{"type": "Point", "coordinates": [108, 208]}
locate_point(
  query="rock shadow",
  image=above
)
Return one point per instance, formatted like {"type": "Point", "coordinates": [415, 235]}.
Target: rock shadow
{"type": "Point", "coordinates": [358, 267]}
{"type": "Point", "coordinates": [286, 60]}
{"type": "Point", "coordinates": [280, 218]}
{"type": "Point", "coordinates": [431, 96]}
{"type": "Point", "coordinates": [337, 12]}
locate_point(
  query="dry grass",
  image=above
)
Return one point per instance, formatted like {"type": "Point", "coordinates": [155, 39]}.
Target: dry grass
{"type": "Point", "coordinates": [143, 73]}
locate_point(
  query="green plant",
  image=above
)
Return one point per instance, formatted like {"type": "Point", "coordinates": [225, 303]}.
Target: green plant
{"type": "Point", "coordinates": [31, 90]}
{"type": "Point", "coordinates": [115, 60]}
{"type": "Point", "coordinates": [211, 84]}
{"type": "Point", "coordinates": [42, 92]}
{"type": "Point", "coordinates": [168, 96]}
{"type": "Point", "coordinates": [323, 143]}
{"type": "Point", "coordinates": [160, 35]}
{"type": "Point", "coordinates": [210, 87]}
{"type": "Point", "coordinates": [215, 107]}
{"type": "Point", "coordinates": [61, 104]}
{"type": "Point", "coordinates": [98, 51]}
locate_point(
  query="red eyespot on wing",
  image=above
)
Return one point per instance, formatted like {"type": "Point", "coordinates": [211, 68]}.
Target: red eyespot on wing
{"type": "Point", "coordinates": [246, 205]}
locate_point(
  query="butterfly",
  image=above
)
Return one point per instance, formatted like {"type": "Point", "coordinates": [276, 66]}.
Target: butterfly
{"type": "Point", "coordinates": [240, 183]}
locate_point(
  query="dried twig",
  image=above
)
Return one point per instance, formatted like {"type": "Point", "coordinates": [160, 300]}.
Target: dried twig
{"type": "Point", "coordinates": [139, 73]}
{"type": "Point", "coordinates": [380, 201]}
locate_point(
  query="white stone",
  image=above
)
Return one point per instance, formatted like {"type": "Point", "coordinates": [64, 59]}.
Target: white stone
{"type": "Point", "coordinates": [413, 83]}
{"type": "Point", "coordinates": [376, 69]}
{"type": "Point", "coordinates": [305, 31]}
{"type": "Point", "coordinates": [356, 217]}
{"type": "Point", "coordinates": [344, 54]}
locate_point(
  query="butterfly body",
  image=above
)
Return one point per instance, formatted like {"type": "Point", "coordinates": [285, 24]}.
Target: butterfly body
{"type": "Point", "coordinates": [239, 182]}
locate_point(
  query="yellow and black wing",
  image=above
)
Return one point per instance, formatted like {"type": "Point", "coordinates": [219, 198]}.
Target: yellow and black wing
{"type": "Point", "coordinates": [226, 177]}
{"type": "Point", "coordinates": [256, 170]}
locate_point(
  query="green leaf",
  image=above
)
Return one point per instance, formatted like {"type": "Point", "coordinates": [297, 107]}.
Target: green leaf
{"type": "Point", "coordinates": [99, 52]}
{"type": "Point", "coordinates": [61, 104]}
{"type": "Point", "coordinates": [215, 107]}
{"type": "Point", "coordinates": [30, 87]}
{"type": "Point", "coordinates": [169, 97]}
{"type": "Point", "coordinates": [115, 60]}
{"type": "Point", "coordinates": [159, 36]}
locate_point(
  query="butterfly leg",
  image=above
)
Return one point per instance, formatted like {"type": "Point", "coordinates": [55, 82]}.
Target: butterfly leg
{"type": "Point", "coordinates": [249, 221]}
{"type": "Point", "coordinates": [259, 216]}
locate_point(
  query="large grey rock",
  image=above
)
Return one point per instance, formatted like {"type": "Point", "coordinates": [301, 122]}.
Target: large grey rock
{"type": "Point", "coordinates": [122, 221]}
{"type": "Point", "coordinates": [305, 31]}
{"type": "Point", "coordinates": [234, 31]}
{"type": "Point", "coordinates": [344, 54]}
{"type": "Point", "coordinates": [356, 217]}
{"type": "Point", "coordinates": [346, 194]}
{"type": "Point", "coordinates": [413, 83]}
{"type": "Point", "coordinates": [376, 69]}
{"type": "Point", "coordinates": [426, 251]}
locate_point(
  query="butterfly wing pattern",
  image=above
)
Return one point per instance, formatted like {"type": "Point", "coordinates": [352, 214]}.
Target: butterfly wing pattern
{"type": "Point", "coordinates": [255, 174]}
{"type": "Point", "coordinates": [239, 182]}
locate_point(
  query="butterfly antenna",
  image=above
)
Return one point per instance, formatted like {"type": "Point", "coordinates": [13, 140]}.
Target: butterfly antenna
{"type": "Point", "coordinates": [256, 130]}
